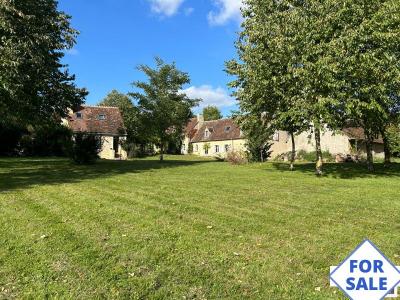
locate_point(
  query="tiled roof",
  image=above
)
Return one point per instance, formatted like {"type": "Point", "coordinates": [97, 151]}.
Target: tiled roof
{"type": "Point", "coordinates": [91, 120]}
{"type": "Point", "coordinates": [190, 129]}
{"type": "Point", "coordinates": [219, 130]}
{"type": "Point", "coordinates": [358, 134]}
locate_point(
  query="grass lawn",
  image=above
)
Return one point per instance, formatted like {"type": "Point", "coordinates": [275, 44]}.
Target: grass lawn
{"type": "Point", "coordinates": [187, 228]}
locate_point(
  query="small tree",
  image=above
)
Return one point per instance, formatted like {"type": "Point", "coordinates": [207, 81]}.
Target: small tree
{"type": "Point", "coordinates": [211, 113]}
{"type": "Point", "coordinates": [164, 108]}
{"type": "Point", "coordinates": [85, 148]}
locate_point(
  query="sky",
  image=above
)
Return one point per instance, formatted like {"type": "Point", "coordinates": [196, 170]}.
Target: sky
{"type": "Point", "coordinates": [118, 35]}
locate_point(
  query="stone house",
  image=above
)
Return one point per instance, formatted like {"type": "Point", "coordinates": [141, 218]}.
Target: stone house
{"type": "Point", "coordinates": [216, 138]}
{"type": "Point", "coordinates": [212, 138]}
{"type": "Point", "coordinates": [106, 123]}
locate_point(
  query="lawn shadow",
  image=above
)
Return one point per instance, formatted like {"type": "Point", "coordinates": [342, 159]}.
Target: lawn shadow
{"type": "Point", "coordinates": [343, 171]}
{"type": "Point", "coordinates": [23, 173]}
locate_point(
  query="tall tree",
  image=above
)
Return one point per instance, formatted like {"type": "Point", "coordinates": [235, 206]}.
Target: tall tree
{"type": "Point", "coordinates": [211, 112]}
{"type": "Point", "coordinates": [34, 84]}
{"type": "Point", "coordinates": [369, 54]}
{"type": "Point", "coordinates": [163, 105]}
{"type": "Point", "coordinates": [271, 53]}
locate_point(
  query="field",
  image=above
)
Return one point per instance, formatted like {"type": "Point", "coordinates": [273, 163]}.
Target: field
{"type": "Point", "coordinates": [187, 228]}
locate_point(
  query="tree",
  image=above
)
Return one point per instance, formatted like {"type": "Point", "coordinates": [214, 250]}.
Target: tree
{"type": "Point", "coordinates": [136, 131]}
{"type": "Point", "coordinates": [270, 78]}
{"type": "Point", "coordinates": [369, 54]}
{"type": "Point", "coordinates": [164, 107]}
{"type": "Point", "coordinates": [211, 113]}
{"type": "Point", "coordinates": [34, 84]}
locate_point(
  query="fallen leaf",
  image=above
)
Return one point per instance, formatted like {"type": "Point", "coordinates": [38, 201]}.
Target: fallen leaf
{"type": "Point", "coordinates": [318, 289]}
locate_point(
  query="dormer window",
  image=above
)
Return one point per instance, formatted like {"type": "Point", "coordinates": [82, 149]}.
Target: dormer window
{"type": "Point", "coordinates": [206, 133]}
{"type": "Point", "coordinates": [227, 128]}
{"type": "Point", "coordinates": [79, 115]}
{"type": "Point", "coordinates": [102, 117]}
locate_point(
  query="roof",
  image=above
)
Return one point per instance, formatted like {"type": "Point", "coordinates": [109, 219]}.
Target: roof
{"type": "Point", "coordinates": [219, 130]}
{"type": "Point", "coordinates": [357, 133]}
{"type": "Point", "coordinates": [190, 129]}
{"type": "Point", "coordinates": [90, 120]}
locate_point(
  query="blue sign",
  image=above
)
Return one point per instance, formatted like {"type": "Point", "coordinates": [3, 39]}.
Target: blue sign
{"type": "Point", "coordinates": [366, 274]}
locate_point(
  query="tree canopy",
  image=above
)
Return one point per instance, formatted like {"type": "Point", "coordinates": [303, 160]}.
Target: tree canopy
{"type": "Point", "coordinates": [164, 107]}
{"type": "Point", "coordinates": [211, 113]}
{"type": "Point", "coordinates": [34, 84]}
{"type": "Point", "coordinates": [312, 65]}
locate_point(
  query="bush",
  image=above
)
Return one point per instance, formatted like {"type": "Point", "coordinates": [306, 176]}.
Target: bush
{"type": "Point", "coordinates": [237, 157]}
{"type": "Point", "coordinates": [10, 136]}
{"type": "Point", "coordinates": [134, 150]}
{"type": "Point", "coordinates": [46, 140]}
{"type": "Point", "coordinates": [85, 148]}
{"type": "Point", "coordinates": [312, 156]}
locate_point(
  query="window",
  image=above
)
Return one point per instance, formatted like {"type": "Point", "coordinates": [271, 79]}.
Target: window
{"type": "Point", "coordinates": [79, 115]}
{"type": "Point", "coordinates": [227, 147]}
{"type": "Point", "coordinates": [206, 133]}
{"type": "Point", "coordinates": [197, 148]}
{"type": "Point", "coordinates": [227, 128]}
{"type": "Point", "coordinates": [276, 136]}
{"type": "Point", "coordinates": [206, 151]}
{"type": "Point", "coordinates": [216, 148]}
{"type": "Point", "coordinates": [102, 117]}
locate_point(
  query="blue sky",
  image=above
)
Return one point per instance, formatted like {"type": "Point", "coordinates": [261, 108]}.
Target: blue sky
{"type": "Point", "coordinates": [118, 35]}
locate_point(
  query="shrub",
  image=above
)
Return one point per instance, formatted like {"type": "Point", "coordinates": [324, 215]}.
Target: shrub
{"type": "Point", "coordinates": [237, 157]}
{"type": "Point", "coordinates": [85, 148]}
{"type": "Point", "coordinates": [312, 156]}
{"type": "Point", "coordinates": [134, 150]}
{"type": "Point", "coordinates": [46, 140]}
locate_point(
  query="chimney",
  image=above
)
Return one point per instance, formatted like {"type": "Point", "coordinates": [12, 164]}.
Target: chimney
{"type": "Point", "coordinates": [200, 121]}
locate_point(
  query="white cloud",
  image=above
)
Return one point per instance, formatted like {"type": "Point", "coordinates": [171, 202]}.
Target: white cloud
{"type": "Point", "coordinates": [227, 10]}
{"type": "Point", "coordinates": [218, 97]}
{"type": "Point", "coordinates": [166, 7]}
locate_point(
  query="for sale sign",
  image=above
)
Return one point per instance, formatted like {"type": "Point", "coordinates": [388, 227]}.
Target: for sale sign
{"type": "Point", "coordinates": [366, 274]}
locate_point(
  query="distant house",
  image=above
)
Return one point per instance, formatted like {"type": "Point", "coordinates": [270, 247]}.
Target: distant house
{"type": "Point", "coordinates": [104, 122]}
{"type": "Point", "coordinates": [216, 138]}
{"type": "Point", "coordinates": [212, 138]}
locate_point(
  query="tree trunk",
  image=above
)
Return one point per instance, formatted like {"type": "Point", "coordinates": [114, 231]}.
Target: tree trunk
{"type": "Point", "coordinates": [162, 152]}
{"type": "Point", "coordinates": [368, 144]}
{"type": "Point", "coordinates": [319, 164]}
{"type": "Point", "coordinates": [386, 148]}
{"type": "Point", "coordinates": [293, 156]}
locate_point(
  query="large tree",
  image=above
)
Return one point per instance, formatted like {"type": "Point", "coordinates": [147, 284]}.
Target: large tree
{"type": "Point", "coordinates": [211, 113]}
{"type": "Point", "coordinates": [34, 84]}
{"type": "Point", "coordinates": [369, 54]}
{"type": "Point", "coordinates": [163, 105]}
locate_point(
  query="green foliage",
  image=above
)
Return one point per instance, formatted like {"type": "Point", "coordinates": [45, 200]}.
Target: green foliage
{"type": "Point", "coordinates": [10, 136]}
{"type": "Point", "coordinates": [164, 109]}
{"type": "Point", "coordinates": [136, 130]}
{"type": "Point", "coordinates": [34, 83]}
{"type": "Point", "coordinates": [51, 139]}
{"type": "Point", "coordinates": [393, 134]}
{"type": "Point", "coordinates": [317, 63]}
{"type": "Point", "coordinates": [85, 148]}
{"type": "Point", "coordinates": [312, 156]}
{"type": "Point", "coordinates": [211, 113]}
